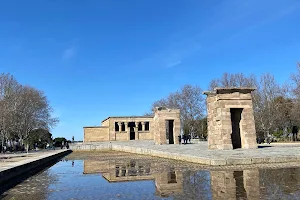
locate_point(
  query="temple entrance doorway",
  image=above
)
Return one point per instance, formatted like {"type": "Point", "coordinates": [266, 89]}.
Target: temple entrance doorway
{"type": "Point", "coordinates": [240, 192]}
{"type": "Point", "coordinates": [131, 126]}
{"type": "Point", "coordinates": [236, 115]}
{"type": "Point", "coordinates": [169, 131]}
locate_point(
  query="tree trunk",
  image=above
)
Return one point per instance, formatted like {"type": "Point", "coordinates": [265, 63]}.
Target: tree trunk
{"type": "Point", "coordinates": [2, 149]}
{"type": "Point", "coordinates": [27, 147]}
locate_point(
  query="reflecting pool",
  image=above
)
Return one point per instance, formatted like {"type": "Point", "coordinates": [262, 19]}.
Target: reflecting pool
{"type": "Point", "coordinates": [118, 175]}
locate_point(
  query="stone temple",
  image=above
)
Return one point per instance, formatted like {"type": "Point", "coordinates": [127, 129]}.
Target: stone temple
{"type": "Point", "coordinates": [230, 118]}
{"type": "Point", "coordinates": [163, 128]}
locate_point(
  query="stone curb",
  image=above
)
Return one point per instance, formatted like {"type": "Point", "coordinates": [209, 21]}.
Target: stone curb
{"type": "Point", "coordinates": [17, 168]}
{"type": "Point", "coordinates": [201, 159]}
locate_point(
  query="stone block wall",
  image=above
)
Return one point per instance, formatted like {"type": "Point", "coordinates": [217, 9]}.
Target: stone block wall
{"type": "Point", "coordinates": [160, 117]}
{"type": "Point", "coordinates": [122, 136]}
{"type": "Point", "coordinates": [251, 183]}
{"type": "Point", "coordinates": [96, 134]}
{"type": "Point", "coordinates": [145, 135]}
{"type": "Point", "coordinates": [235, 184]}
{"type": "Point", "coordinates": [105, 122]}
{"type": "Point", "coordinates": [223, 185]}
{"type": "Point", "coordinates": [219, 105]}
{"type": "Point", "coordinates": [95, 166]}
{"type": "Point", "coordinates": [167, 185]}
{"type": "Point", "coordinates": [112, 132]}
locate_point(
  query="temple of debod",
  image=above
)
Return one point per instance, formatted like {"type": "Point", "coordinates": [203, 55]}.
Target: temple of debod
{"type": "Point", "coordinates": [166, 182]}
{"type": "Point", "coordinates": [228, 184]}
{"type": "Point", "coordinates": [231, 126]}
{"type": "Point", "coordinates": [229, 117]}
{"type": "Point", "coordinates": [163, 128]}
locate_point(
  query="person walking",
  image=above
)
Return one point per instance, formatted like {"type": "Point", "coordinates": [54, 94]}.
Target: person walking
{"type": "Point", "coordinates": [179, 139]}
{"type": "Point", "coordinates": [36, 147]}
{"type": "Point", "coordinates": [184, 139]}
{"type": "Point", "coordinates": [295, 133]}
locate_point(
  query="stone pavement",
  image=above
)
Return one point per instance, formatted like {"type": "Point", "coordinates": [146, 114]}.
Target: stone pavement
{"type": "Point", "coordinates": [17, 166]}
{"type": "Point", "coordinates": [8, 161]}
{"type": "Point", "coordinates": [199, 153]}
{"type": "Point", "coordinates": [18, 155]}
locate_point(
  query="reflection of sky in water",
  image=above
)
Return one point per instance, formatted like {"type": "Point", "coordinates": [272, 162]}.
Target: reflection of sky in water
{"type": "Point", "coordinates": [72, 182]}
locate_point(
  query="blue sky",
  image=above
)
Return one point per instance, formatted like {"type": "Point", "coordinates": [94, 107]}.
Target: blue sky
{"type": "Point", "coordinates": [96, 58]}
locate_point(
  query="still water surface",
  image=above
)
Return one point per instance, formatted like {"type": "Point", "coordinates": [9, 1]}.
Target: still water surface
{"type": "Point", "coordinates": [117, 175]}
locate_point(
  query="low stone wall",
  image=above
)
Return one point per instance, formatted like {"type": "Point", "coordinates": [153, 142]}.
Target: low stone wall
{"type": "Point", "coordinates": [91, 147]}
{"type": "Point", "coordinates": [198, 153]}
{"type": "Point", "coordinates": [22, 167]}
{"type": "Point", "coordinates": [137, 150]}
{"type": "Point", "coordinates": [162, 154]}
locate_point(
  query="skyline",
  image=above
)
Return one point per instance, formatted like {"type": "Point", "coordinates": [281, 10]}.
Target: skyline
{"type": "Point", "coordinates": [99, 59]}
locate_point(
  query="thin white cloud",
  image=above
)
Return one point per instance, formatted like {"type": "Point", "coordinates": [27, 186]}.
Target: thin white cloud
{"type": "Point", "coordinates": [173, 55]}
{"type": "Point", "coordinates": [278, 12]}
{"type": "Point", "coordinates": [173, 64]}
{"type": "Point", "coordinates": [228, 20]}
{"type": "Point", "coordinates": [69, 53]}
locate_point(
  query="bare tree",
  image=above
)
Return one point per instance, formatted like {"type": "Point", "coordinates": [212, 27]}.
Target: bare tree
{"type": "Point", "coordinates": [233, 80]}
{"type": "Point", "coordinates": [296, 83]}
{"type": "Point", "coordinates": [190, 101]}
{"type": "Point", "coordinates": [32, 111]}
{"type": "Point", "coordinates": [295, 93]}
{"type": "Point", "coordinates": [8, 90]}
{"type": "Point", "coordinates": [267, 104]}
{"type": "Point", "coordinates": [22, 109]}
{"type": "Point", "coordinates": [269, 99]}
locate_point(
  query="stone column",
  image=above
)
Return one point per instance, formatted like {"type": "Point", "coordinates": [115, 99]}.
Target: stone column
{"type": "Point", "coordinates": [137, 125]}
{"type": "Point", "coordinates": [126, 126]}
{"type": "Point", "coordinates": [251, 183]}
{"type": "Point", "coordinates": [136, 130]}
{"type": "Point", "coordinates": [143, 126]}
{"type": "Point", "coordinates": [223, 185]}
{"type": "Point", "coordinates": [127, 129]}
{"type": "Point", "coordinates": [120, 126]}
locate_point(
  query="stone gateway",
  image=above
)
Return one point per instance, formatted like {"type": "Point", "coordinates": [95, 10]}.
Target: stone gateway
{"type": "Point", "coordinates": [163, 128]}
{"type": "Point", "coordinates": [230, 118]}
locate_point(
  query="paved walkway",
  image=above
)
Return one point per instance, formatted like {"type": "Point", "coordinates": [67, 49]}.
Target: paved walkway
{"type": "Point", "coordinates": [10, 160]}
{"type": "Point", "coordinates": [199, 153]}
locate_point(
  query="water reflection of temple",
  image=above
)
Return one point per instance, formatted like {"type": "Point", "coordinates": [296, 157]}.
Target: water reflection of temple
{"type": "Point", "coordinates": [235, 184]}
{"type": "Point", "coordinates": [167, 182]}
{"type": "Point", "coordinates": [203, 184]}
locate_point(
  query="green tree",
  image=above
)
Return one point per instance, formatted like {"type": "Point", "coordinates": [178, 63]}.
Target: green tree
{"type": "Point", "coordinates": [58, 141]}
{"type": "Point", "coordinates": [40, 137]}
